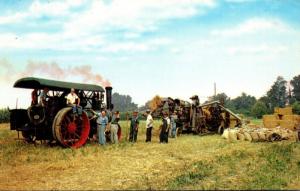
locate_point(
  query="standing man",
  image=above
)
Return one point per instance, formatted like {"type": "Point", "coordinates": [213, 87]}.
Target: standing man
{"type": "Point", "coordinates": [173, 124]}
{"type": "Point", "coordinates": [34, 97]}
{"type": "Point", "coordinates": [149, 126]}
{"type": "Point", "coordinates": [43, 97]}
{"type": "Point", "coordinates": [102, 122]}
{"type": "Point", "coordinates": [114, 127]}
{"type": "Point", "coordinates": [134, 126]}
{"type": "Point", "coordinates": [164, 129]}
{"type": "Point", "coordinates": [71, 100]}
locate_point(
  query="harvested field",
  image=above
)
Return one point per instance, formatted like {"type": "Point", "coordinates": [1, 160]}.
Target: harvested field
{"type": "Point", "coordinates": [188, 162]}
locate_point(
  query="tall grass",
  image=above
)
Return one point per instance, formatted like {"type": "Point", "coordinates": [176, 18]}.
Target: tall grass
{"type": "Point", "coordinates": [4, 115]}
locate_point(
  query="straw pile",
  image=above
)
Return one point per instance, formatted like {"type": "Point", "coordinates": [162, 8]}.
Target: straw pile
{"type": "Point", "coordinates": [247, 133]}
{"type": "Point", "coordinates": [155, 102]}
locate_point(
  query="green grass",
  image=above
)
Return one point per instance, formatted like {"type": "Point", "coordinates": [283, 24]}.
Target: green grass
{"type": "Point", "coordinates": [188, 162]}
{"type": "Point", "coordinates": [275, 166]}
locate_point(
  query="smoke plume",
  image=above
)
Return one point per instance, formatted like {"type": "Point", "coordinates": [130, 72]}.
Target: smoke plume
{"type": "Point", "coordinates": [51, 70]}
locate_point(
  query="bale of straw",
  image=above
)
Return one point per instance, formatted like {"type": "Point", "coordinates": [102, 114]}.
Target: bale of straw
{"type": "Point", "coordinates": [225, 134]}
{"type": "Point", "coordinates": [247, 136]}
{"type": "Point", "coordinates": [285, 111]}
{"type": "Point", "coordinates": [240, 136]}
{"type": "Point", "coordinates": [276, 110]}
{"type": "Point", "coordinates": [269, 117]}
{"type": "Point", "coordinates": [254, 136]}
{"type": "Point", "coordinates": [290, 117]}
{"type": "Point", "coordinates": [271, 124]}
{"type": "Point", "coordinates": [232, 135]}
{"type": "Point", "coordinates": [288, 124]}
{"type": "Point", "coordinates": [262, 136]}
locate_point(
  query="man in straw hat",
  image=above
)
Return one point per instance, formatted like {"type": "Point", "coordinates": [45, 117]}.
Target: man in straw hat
{"type": "Point", "coordinates": [134, 126]}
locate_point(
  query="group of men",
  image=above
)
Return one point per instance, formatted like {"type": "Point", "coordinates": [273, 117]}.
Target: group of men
{"type": "Point", "coordinates": [103, 126]}
{"type": "Point", "coordinates": [167, 128]}
{"type": "Point", "coordinates": [109, 122]}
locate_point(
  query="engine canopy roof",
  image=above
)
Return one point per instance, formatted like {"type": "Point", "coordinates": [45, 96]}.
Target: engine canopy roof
{"type": "Point", "coordinates": [40, 83]}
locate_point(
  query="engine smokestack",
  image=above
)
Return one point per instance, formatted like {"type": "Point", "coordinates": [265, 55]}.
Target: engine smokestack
{"type": "Point", "coordinates": [109, 104]}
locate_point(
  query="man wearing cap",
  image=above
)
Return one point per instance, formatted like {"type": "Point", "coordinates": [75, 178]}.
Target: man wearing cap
{"type": "Point", "coordinates": [134, 125]}
{"type": "Point", "coordinates": [149, 126]}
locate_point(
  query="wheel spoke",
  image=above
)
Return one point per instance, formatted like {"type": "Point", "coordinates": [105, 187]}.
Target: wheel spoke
{"type": "Point", "coordinates": [76, 135]}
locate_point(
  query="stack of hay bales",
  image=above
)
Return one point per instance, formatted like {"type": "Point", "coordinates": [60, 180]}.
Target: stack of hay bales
{"type": "Point", "coordinates": [247, 133]}
{"type": "Point", "coordinates": [282, 117]}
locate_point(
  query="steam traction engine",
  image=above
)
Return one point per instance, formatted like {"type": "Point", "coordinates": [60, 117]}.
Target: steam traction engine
{"type": "Point", "coordinates": [55, 121]}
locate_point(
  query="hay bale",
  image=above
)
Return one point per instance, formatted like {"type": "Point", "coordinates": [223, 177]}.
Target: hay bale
{"type": "Point", "coordinates": [285, 111]}
{"type": "Point", "coordinates": [276, 110]}
{"type": "Point", "coordinates": [254, 136]}
{"type": "Point", "coordinates": [240, 136]}
{"type": "Point", "coordinates": [290, 117]}
{"type": "Point", "coordinates": [269, 117]}
{"type": "Point", "coordinates": [247, 136]}
{"type": "Point", "coordinates": [262, 136]}
{"type": "Point", "coordinates": [225, 134]}
{"type": "Point", "coordinates": [288, 124]}
{"type": "Point", "coordinates": [232, 135]}
{"type": "Point", "coordinates": [271, 124]}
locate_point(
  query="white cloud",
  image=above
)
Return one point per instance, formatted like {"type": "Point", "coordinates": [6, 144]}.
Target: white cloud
{"type": "Point", "coordinates": [253, 26]}
{"type": "Point", "coordinates": [134, 15]}
{"type": "Point", "coordinates": [17, 17]}
{"type": "Point", "coordinates": [41, 8]}
{"type": "Point", "coordinates": [257, 49]}
{"type": "Point", "coordinates": [132, 46]}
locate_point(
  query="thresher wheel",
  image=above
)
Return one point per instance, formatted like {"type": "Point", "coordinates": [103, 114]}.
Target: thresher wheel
{"type": "Point", "coordinates": [69, 130]}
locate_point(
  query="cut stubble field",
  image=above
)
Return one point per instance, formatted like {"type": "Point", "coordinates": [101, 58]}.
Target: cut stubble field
{"type": "Point", "coordinates": [188, 162]}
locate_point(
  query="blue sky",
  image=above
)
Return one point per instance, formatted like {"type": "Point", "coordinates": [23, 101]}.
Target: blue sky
{"type": "Point", "coordinates": [171, 48]}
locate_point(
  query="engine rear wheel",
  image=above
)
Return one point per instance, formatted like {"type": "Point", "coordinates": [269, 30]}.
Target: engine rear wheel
{"type": "Point", "coordinates": [69, 129]}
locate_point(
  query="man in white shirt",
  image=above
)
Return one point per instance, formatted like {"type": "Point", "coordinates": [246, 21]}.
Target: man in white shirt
{"type": "Point", "coordinates": [71, 100]}
{"type": "Point", "coordinates": [149, 126]}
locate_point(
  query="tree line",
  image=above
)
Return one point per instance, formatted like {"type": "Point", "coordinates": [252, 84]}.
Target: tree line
{"type": "Point", "coordinates": [280, 94]}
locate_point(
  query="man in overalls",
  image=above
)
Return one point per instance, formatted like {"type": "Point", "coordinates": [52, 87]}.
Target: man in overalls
{"type": "Point", "coordinates": [134, 126]}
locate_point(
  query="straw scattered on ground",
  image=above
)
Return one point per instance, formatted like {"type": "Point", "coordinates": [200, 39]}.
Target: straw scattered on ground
{"type": "Point", "coordinates": [188, 162]}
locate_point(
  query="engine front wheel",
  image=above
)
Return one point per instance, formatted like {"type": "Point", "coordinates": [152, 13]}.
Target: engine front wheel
{"type": "Point", "coordinates": [71, 130]}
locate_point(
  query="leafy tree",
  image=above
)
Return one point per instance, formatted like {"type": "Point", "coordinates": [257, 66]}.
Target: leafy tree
{"type": "Point", "coordinates": [278, 94]}
{"type": "Point", "coordinates": [243, 103]}
{"type": "Point", "coordinates": [123, 102]}
{"type": "Point", "coordinates": [222, 97]}
{"type": "Point", "coordinates": [295, 82]}
{"type": "Point", "coordinates": [259, 109]}
{"type": "Point", "coordinates": [296, 108]}
{"type": "Point", "coordinates": [267, 102]}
